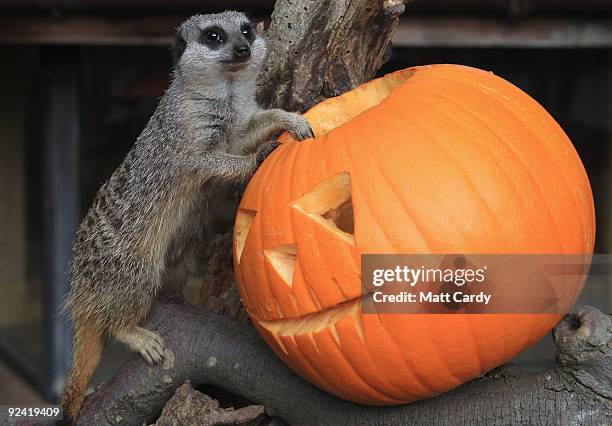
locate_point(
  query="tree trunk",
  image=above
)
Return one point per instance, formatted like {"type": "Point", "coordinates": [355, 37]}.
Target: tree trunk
{"type": "Point", "coordinates": [323, 48]}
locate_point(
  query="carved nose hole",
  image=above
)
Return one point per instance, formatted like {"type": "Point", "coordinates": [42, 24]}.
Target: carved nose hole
{"type": "Point", "coordinates": [343, 217]}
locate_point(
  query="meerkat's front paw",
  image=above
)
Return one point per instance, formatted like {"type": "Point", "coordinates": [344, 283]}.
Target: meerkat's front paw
{"type": "Point", "coordinates": [299, 127]}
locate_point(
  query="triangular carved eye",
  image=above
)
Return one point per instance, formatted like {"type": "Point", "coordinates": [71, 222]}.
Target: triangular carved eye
{"type": "Point", "coordinates": [330, 204]}
{"type": "Point", "coordinates": [282, 258]}
{"type": "Point", "coordinates": [244, 219]}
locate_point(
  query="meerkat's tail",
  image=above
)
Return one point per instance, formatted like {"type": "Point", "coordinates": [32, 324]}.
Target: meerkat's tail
{"type": "Point", "coordinates": [86, 353]}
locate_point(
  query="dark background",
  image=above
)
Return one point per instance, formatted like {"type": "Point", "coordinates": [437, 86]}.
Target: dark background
{"type": "Point", "coordinates": [80, 78]}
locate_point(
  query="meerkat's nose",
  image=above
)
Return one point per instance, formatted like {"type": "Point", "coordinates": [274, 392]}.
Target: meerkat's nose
{"type": "Point", "coordinates": [242, 51]}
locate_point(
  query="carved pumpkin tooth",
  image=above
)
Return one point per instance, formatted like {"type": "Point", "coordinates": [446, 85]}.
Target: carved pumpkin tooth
{"type": "Point", "coordinates": [244, 218]}
{"type": "Point", "coordinates": [283, 258]}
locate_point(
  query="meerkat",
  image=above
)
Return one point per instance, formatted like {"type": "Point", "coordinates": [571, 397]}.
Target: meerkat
{"type": "Point", "coordinates": [148, 220]}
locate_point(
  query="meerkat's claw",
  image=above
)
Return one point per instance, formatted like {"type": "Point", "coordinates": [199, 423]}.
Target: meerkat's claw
{"type": "Point", "coordinates": [300, 128]}
{"type": "Point", "coordinates": [149, 344]}
{"type": "Point", "coordinates": [153, 348]}
{"type": "Point", "coordinates": [153, 352]}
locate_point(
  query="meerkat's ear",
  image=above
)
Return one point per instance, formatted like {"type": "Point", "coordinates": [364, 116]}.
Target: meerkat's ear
{"type": "Point", "coordinates": [179, 48]}
{"type": "Point", "coordinates": [260, 27]}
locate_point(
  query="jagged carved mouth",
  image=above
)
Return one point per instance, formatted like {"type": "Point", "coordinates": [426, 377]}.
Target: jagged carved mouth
{"type": "Point", "coordinates": [315, 322]}
{"type": "Point", "coordinates": [329, 205]}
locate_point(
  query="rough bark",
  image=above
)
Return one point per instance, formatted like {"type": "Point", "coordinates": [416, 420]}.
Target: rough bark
{"type": "Point", "coordinates": [190, 407]}
{"type": "Point", "coordinates": [215, 350]}
{"type": "Point", "coordinates": [219, 292]}
{"type": "Point", "coordinates": [319, 49]}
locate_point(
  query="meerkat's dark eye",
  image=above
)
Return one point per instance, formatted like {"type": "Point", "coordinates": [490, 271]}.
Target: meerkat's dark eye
{"type": "Point", "coordinates": [213, 37]}
{"type": "Point", "coordinates": [247, 31]}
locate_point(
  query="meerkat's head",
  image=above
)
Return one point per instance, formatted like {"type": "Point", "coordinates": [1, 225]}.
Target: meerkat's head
{"type": "Point", "coordinates": [212, 47]}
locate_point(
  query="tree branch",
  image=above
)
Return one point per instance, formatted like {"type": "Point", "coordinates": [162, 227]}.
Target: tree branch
{"type": "Point", "coordinates": [215, 350]}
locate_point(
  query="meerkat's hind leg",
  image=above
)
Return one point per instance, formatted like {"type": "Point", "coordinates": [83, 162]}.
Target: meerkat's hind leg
{"type": "Point", "coordinates": [149, 344]}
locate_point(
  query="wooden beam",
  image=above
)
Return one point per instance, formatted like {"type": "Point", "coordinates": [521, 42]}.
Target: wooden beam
{"type": "Point", "coordinates": [413, 31]}
{"type": "Point", "coordinates": [152, 30]}
{"type": "Point", "coordinates": [508, 7]}
{"type": "Point", "coordinates": [489, 32]}
{"type": "Point", "coordinates": [142, 6]}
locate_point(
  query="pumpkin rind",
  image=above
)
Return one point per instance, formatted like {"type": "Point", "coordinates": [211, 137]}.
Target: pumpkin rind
{"type": "Point", "coordinates": [435, 159]}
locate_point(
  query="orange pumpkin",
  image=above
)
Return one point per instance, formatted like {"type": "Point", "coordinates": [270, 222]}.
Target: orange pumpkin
{"type": "Point", "coordinates": [433, 159]}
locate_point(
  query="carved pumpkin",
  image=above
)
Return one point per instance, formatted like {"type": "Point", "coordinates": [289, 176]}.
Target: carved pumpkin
{"type": "Point", "coordinates": [434, 159]}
